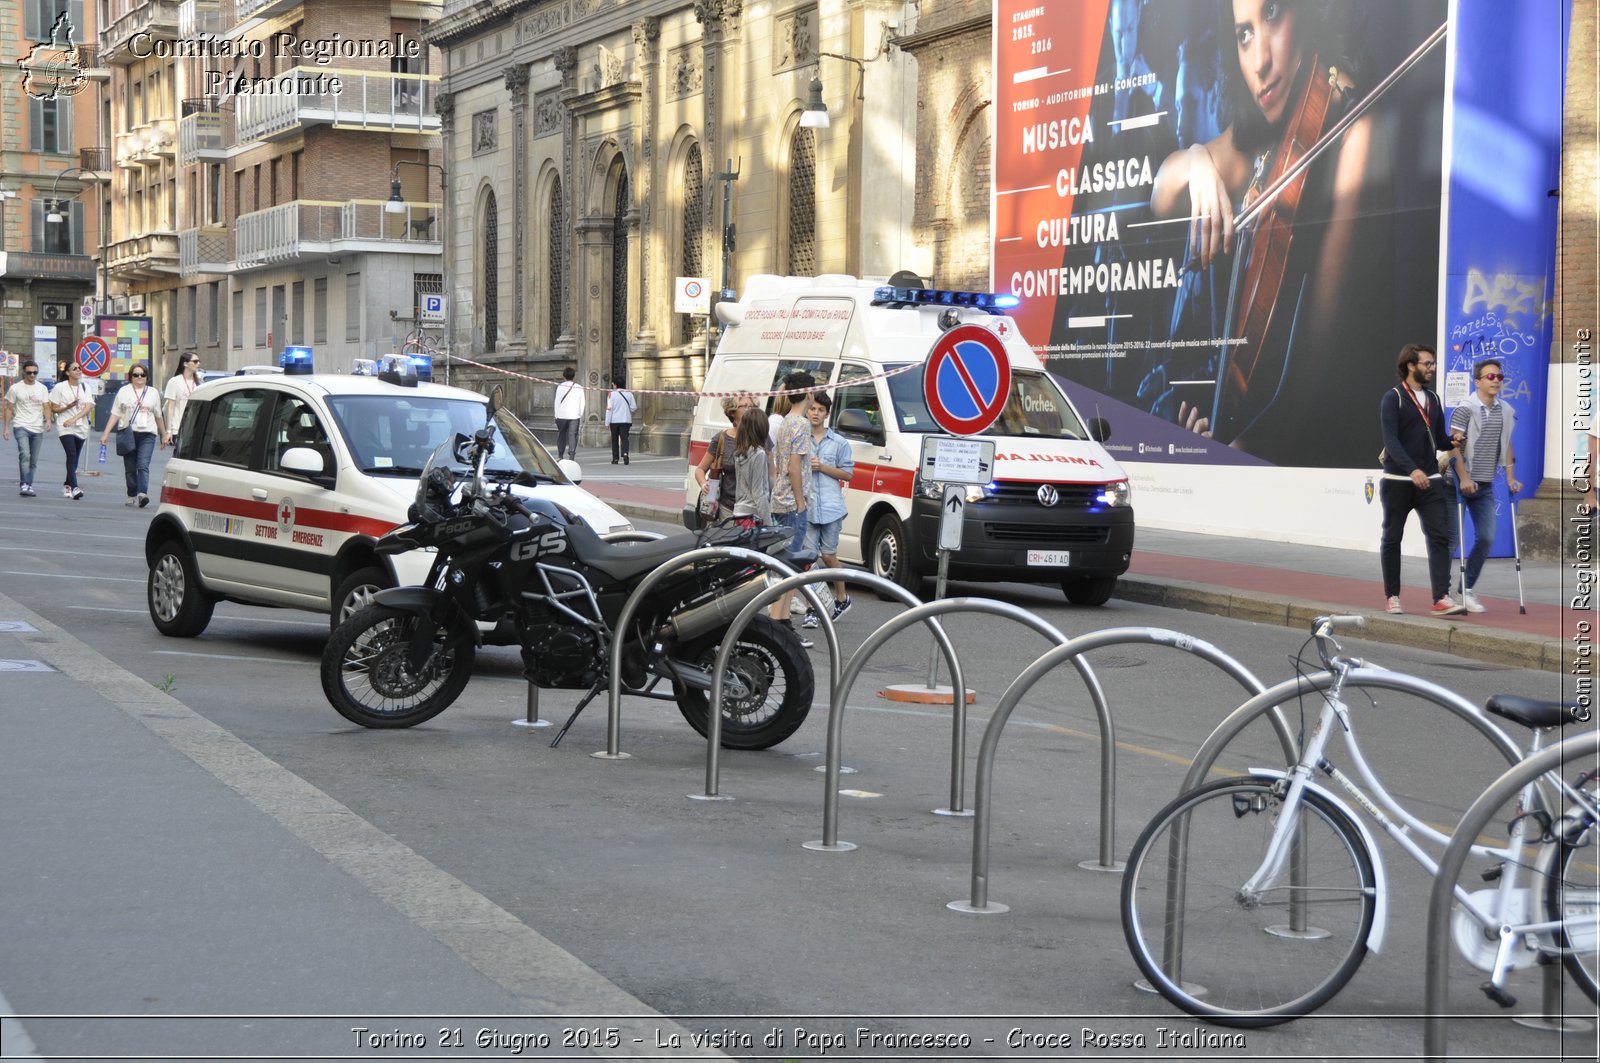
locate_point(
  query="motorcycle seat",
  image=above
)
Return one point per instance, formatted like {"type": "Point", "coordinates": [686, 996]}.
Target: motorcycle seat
{"type": "Point", "coordinates": [625, 561]}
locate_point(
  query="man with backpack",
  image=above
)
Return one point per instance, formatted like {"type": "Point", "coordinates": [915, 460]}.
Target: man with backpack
{"type": "Point", "coordinates": [1414, 431]}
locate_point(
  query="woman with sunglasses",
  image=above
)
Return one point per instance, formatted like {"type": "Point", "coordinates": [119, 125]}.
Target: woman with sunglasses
{"type": "Point", "coordinates": [182, 384]}
{"type": "Point", "coordinates": [72, 402]}
{"type": "Point", "coordinates": [137, 405]}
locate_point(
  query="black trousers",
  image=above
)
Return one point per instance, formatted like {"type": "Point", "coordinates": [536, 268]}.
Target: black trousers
{"type": "Point", "coordinates": [1433, 508]}
{"type": "Point", "coordinates": [619, 442]}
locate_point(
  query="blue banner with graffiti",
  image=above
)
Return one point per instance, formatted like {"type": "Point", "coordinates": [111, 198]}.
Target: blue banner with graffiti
{"type": "Point", "coordinates": [1504, 170]}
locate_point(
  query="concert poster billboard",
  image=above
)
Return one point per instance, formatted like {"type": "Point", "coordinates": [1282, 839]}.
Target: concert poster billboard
{"type": "Point", "coordinates": [1386, 192]}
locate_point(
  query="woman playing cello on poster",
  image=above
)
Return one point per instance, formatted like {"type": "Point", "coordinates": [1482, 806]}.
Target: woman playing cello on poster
{"type": "Point", "coordinates": [1296, 346]}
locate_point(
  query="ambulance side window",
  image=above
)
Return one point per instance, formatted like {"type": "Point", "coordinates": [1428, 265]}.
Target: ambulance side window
{"type": "Point", "coordinates": [861, 396]}
{"type": "Point", "coordinates": [231, 429]}
{"type": "Point", "coordinates": [295, 424]}
{"type": "Point", "coordinates": [819, 370]}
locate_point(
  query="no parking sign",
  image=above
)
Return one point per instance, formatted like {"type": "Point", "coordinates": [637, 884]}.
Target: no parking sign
{"type": "Point", "coordinates": [966, 379]}
{"type": "Point", "coordinates": [94, 355]}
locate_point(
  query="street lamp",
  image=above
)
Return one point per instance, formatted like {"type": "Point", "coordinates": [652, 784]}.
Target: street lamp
{"type": "Point", "coordinates": [397, 205]}
{"type": "Point", "coordinates": [55, 215]}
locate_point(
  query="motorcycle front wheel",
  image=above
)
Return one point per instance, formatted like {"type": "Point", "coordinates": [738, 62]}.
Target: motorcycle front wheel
{"type": "Point", "coordinates": [765, 696]}
{"type": "Point", "coordinates": [368, 675]}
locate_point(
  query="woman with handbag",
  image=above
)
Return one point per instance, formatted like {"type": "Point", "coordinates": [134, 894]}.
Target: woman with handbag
{"type": "Point", "coordinates": [73, 404]}
{"type": "Point", "coordinates": [716, 465]}
{"type": "Point", "coordinates": [136, 418]}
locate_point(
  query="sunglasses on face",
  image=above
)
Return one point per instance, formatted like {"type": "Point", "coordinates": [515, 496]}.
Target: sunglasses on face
{"type": "Point", "coordinates": [137, 376]}
{"type": "Point", "coordinates": [1493, 376]}
{"type": "Point", "coordinates": [30, 372]}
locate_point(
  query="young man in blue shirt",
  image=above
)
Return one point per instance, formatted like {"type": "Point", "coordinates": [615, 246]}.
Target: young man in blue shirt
{"type": "Point", "coordinates": [832, 466]}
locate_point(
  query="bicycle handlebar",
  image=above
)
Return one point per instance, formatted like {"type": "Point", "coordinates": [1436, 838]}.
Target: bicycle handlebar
{"type": "Point", "coordinates": [1322, 629]}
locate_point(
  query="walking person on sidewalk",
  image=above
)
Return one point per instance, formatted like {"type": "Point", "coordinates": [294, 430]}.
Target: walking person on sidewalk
{"type": "Point", "coordinates": [1413, 432]}
{"type": "Point", "coordinates": [138, 406]}
{"type": "Point", "coordinates": [178, 390]}
{"type": "Point", "coordinates": [832, 465]}
{"type": "Point", "coordinates": [72, 402]}
{"type": "Point", "coordinates": [26, 412]}
{"type": "Point", "coordinates": [620, 406]}
{"type": "Point", "coordinates": [1481, 429]}
{"type": "Point", "coordinates": [791, 482]}
{"type": "Point", "coordinates": [568, 411]}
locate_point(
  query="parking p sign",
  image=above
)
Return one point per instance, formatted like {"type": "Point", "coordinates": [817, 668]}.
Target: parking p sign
{"type": "Point", "coordinates": [432, 310]}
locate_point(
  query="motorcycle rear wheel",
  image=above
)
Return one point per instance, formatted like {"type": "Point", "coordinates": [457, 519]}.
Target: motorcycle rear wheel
{"type": "Point", "coordinates": [778, 683]}
{"type": "Point", "coordinates": [367, 674]}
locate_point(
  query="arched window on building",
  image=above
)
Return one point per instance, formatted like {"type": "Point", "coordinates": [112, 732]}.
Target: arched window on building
{"type": "Point", "coordinates": [555, 281]}
{"type": "Point", "coordinates": [802, 244]}
{"type": "Point", "coordinates": [693, 259]}
{"type": "Point", "coordinates": [489, 296]}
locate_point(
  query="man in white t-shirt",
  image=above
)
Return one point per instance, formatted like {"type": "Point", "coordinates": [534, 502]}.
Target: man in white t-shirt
{"type": "Point", "coordinates": [569, 411]}
{"type": "Point", "coordinates": [26, 411]}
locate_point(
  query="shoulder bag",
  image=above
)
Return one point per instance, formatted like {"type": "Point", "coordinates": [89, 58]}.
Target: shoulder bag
{"type": "Point", "coordinates": [711, 493]}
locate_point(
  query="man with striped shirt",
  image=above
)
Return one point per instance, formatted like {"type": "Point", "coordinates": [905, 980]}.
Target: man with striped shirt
{"type": "Point", "coordinates": [1481, 427]}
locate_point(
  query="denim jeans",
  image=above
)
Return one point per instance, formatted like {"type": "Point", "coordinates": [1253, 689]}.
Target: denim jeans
{"type": "Point", "coordinates": [1481, 507]}
{"type": "Point", "coordinates": [136, 466]}
{"type": "Point", "coordinates": [27, 453]}
{"type": "Point", "coordinates": [73, 446]}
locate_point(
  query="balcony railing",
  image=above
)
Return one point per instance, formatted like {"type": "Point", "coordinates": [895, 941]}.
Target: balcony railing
{"type": "Point", "coordinates": [148, 254]}
{"type": "Point", "coordinates": [199, 16]}
{"type": "Point", "coordinates": [34, 265]}
{"type": "Point", "coordinates": [248, 9]}
{"type": "Point", "coordinates": [203, 250]}
{"type": "Point", "coordinates": [158, 18]}
{"type": "Point", "coordinates": [204, 135]}
{"type": "Point", "coordinates": [308, 227]}
{"type": "Point", "coordinates": [94, 160]}
{"type": "Point", "coordinates": [394, 102]}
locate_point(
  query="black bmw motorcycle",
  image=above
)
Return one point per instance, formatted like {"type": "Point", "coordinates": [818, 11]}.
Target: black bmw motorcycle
{"type": "Point", "coordinates": [522, 571]}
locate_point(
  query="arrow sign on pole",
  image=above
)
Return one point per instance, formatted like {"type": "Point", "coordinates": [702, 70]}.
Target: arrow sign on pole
{"type": "Point", "coordinates": [951, 515]}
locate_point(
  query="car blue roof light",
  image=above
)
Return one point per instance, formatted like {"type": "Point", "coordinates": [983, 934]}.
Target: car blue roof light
{"type": "Point", "coordinates": [422, 365]}
{"type": "Point", "coordinates": [988, 302]}
{"type": "Point", "coordinates": [398, 369]}
{"type": "Point", "coordinates": [296, 361]}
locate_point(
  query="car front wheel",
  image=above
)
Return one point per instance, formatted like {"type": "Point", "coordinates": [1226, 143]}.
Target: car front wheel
{"type": "Point", "coordinates": [179, 608]}
{"type": "Point", "coordinates": [355, 593]}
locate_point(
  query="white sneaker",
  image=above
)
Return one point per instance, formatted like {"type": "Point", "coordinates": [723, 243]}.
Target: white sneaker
{"type": "Point", "coordinates": [1393, 604]}
{"type": "Point", "coordinates": [1470, 600]}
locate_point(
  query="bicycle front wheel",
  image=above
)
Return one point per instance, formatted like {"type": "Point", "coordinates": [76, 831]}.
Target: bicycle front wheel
{"type": "Point", "coordinates": [1247, 960]}
{"type": "Point", "coordinates": [1573, 897]}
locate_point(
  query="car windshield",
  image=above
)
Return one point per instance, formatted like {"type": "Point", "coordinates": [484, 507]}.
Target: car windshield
{"type": "Point", "coordinates": [395, 437]}
{"type": "Point", "coordinates": [1036, 407]}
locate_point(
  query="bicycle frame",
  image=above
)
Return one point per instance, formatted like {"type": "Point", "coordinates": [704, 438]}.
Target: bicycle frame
{"type": "Point", "coordinates": [1511, 951]}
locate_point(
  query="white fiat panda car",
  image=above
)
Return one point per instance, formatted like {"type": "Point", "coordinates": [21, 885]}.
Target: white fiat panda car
{"type": "Point", "coordinates": [279, 486]}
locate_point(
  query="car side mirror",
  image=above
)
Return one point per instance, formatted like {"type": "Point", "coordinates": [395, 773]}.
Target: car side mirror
{"type": "Point", "coordinates": [1099, 429]}
{"type": "Point", "coordinates": [572, 469]}
{"type": "Point", "coordinates": [307, 462]}
{"type": "Point", "coordinates": [856, 424]}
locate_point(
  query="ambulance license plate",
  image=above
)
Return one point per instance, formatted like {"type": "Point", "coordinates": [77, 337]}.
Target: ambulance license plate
{"type": "Point", "coordinates": [1049, 557]}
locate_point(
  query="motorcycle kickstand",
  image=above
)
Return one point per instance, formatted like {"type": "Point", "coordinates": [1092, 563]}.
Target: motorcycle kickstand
{"type": "Point", "coordinates": [581, 706]}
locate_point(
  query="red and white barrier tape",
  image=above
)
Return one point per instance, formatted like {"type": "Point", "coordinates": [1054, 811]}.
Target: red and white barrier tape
{"type": "Point", "coordinates": [886, 374]}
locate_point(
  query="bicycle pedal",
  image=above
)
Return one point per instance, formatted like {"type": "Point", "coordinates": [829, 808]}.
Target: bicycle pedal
{"type": "Point", "coordinates": [1493, 873]}
{"type": "Point", "coordinates": [1498, 995]}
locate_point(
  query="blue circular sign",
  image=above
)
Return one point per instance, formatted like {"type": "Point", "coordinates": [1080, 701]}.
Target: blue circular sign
{"type": "Point", "coordinates": [966, 379]}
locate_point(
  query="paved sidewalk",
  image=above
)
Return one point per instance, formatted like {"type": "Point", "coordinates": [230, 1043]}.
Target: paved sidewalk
{"type": "Point", "coordinates": [1251, 579]}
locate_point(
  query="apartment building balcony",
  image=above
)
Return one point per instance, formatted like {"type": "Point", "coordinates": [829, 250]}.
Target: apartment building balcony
{"type": "Point", "coordinates": [350, 99]}
{"type": "Point", "coordinates": [147, 144]}
{"type": "Point", "coordinates": [131, 18]}
{"type": "Point", "coordinates": [33, 265]}
{"type": "Point", "coordinates": [92, 64]}
{"type": "Point", "coordinates": [205, 131]}
{"type": "Point", "coordinates": [95, 164]}
{"type": "Point", "coordinates": [199, 16]}
{"type": "Point", "coordinates": [204, 249]}
{"type": "Point", "coordinates": [148, 255]}
{"type": "Point", "coordinates": [310, 228]}
{"type": "Point", "coordinates": [248, 9]}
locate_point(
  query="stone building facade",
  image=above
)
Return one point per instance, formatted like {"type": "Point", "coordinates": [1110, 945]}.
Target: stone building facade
{"type": "Point", "coordinates": [591, 144]}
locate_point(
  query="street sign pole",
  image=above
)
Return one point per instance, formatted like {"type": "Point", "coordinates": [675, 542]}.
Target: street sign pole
{"type": "Point", "coordinates": [952, 515]}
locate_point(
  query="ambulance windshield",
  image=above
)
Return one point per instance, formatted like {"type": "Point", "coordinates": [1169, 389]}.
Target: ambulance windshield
{"type": "Point", "coordinates": [1036, 407]}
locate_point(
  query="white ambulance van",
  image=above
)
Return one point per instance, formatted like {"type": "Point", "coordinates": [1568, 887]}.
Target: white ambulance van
{"type": "Point", "coordinates": [1058, 509]}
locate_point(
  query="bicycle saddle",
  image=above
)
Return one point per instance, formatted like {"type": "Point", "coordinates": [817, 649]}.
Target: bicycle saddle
{"type": "Point", "coordinates": [1532, 712]}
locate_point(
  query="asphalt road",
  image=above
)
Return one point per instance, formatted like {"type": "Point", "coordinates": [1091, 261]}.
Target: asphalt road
{"type": "Point", "coordinates": [709, 912]}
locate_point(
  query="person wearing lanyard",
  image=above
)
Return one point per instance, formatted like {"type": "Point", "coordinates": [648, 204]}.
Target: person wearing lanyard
{"type": "Point", "coordinates": [139, 407]}
{"type": "Point", "coordinates": [1414, 431]}
{"type": "Point", "coordinates": [27, 413]}
{"type": "Point", "coordinates": [73, 404]}
{"type": "Point", "coordinates": [183, 382]}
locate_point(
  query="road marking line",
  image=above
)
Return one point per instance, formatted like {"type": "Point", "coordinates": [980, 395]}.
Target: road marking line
{"type": "Point", "coordinates": [493, 941]}
{"type": "Point", "coordinates": [66, 575]}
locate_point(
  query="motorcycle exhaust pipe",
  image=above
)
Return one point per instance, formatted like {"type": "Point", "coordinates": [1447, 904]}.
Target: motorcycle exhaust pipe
{"type": "Point", "coordinates": [706, 617]}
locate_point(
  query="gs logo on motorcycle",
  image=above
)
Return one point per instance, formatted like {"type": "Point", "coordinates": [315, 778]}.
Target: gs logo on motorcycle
{"type": "Point", "coordinates": [551, 542]}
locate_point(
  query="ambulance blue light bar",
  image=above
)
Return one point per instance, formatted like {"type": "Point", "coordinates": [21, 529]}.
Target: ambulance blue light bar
{"type": "Point", "coordinates": [398, 369]}
{"type": "Point", "coordinates": [422, 366]}
{"type": "Point", "coordinates": [296, 361]}
{"type": "Point", "coordinates": [988, 302]}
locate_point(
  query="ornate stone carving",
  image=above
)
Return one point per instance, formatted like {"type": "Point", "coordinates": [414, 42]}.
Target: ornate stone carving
{"type": "Point", "coordinates": [517, 83]}
{"type": "Point", "coordinates": [566, 59]}
{"type": "Point", "coordinates": [646, 32]}
{"type": "Point", "coordinates": [548, 114]}
{"type": "Point", "coordinates": [485, 132]}
{"type": "Point", "coordinates": [444, 105]}
{"type": "Point", "coordinates": [710, 13]}
{"type": "Point", "coordinates": [794, 39]}
{"type": "Point", "coordinates": [685, 73]}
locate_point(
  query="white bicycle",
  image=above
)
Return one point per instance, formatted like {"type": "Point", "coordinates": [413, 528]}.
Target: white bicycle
{"type": "Point", "coordinates": [1253, 900]}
